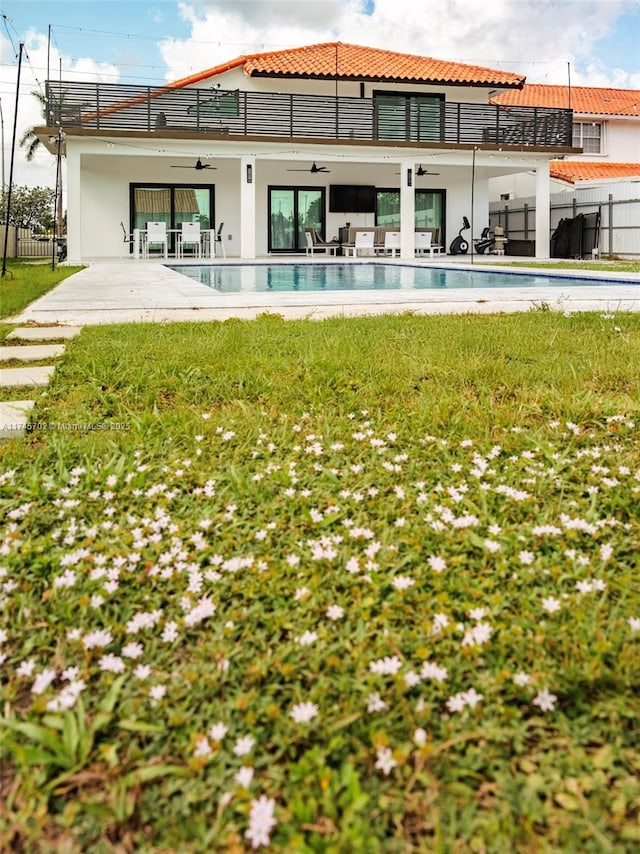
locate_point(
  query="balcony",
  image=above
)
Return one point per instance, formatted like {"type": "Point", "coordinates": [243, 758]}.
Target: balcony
{"type": "Point", "coordinates": [416, 119]}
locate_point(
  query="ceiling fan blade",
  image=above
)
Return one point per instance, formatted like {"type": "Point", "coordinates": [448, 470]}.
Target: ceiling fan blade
{"type": "Point", "coordinates": [199, 166]}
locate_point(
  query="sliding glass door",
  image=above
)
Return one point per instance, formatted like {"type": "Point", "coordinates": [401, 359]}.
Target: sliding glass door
{"type": "Point", "coordinates": [429, 209]}
{"type": "Point", "coordinates": [172, 204]}
{"type": "Point", "coordinates": [291, 210]}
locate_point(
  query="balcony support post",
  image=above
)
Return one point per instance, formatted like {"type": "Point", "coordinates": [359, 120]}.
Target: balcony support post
{"type": "Point", "coordinates": [543, 210]}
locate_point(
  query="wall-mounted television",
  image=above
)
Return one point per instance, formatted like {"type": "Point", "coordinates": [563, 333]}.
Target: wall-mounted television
{"type": "Point", "coordinates": [352, 198]}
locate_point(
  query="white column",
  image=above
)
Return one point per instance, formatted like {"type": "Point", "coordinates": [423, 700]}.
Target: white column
{"type": "Point", "coordinates": [74, 217]}
{"type": "Point", "coordinates": [407, 209]}
{"type": "Point", "coordinates": [248, 207]}
{"type": "Point", "coordinates": [543, 210]}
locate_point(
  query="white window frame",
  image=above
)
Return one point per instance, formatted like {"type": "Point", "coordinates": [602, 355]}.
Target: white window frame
{"type": "Point", "coordinates": [579, 128]}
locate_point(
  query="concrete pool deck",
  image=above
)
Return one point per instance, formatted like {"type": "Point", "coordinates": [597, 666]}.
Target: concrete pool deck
{"type": "Point", "coordinates": [125, 291]}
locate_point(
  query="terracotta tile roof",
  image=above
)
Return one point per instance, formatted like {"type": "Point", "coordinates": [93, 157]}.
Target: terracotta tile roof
{"type": "Point", "coordinates": [352, 62]}
{"type": "Point", "coordinates": [581, 170]}
{"type": "Point", "coordinates": [584, 99]}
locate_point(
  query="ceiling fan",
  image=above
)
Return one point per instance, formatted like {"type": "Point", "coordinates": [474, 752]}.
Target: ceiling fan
{"type": "Point", "coordinates": [422, 171]}
{"type": "Point", "coordinates": [199, 165]}
{"type": "Point", "coordinates": [314, 169]}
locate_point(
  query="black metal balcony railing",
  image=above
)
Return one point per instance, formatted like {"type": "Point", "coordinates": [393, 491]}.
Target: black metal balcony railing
{"type": "Point", "coordinates": [114, 107]}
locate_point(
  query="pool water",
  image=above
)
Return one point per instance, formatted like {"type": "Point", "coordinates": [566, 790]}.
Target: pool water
{"type": "Point", "coordinates": [236, 278]}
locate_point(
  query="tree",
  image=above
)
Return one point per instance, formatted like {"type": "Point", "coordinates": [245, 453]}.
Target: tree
{"type": "Point", "coordinates": [29, 141]}
{"type": "Point", "coordinates": [31, 207]}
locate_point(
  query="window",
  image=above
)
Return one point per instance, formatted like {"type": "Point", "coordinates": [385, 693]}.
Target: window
{"type": "Point", "coordinates": [171, 204]}
{"type": "Point", "coordinates": [588, 136]}
{"type": "Point", "coordinates": [291, 211]}
{"type": "Point", "coordinates": [429, 209]}
{"type": "Point", "coordinates": [408, 117]}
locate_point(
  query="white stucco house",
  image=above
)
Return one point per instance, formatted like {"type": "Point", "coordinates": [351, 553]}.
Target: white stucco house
{"type": "Point", "coordinates": [319, 136]}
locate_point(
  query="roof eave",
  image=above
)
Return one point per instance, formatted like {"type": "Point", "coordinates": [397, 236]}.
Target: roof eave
{"type": "Point", "coordinates": [349, 78]}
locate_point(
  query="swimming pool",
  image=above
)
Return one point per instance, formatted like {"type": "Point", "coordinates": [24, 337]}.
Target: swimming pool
{"type": "Point", "coordinates": [274, 278]}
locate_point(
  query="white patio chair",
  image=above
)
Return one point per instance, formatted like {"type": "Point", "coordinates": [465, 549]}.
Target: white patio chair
{"type": "Point", "coordinates": [189, 236]}
{"type": "Point", "coordinates": [423, 243]}
{"type": "Point", "coordinates": [219, 238]}
{"type": "Point", "coordinates": [392, 243]}
{"type": "Point", "coordinates": [156, 235]}
{"type": "Point", "coordinates": [364, 242]}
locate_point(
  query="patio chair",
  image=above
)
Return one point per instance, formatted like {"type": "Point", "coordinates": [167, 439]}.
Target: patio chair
{"type": "Point", "coordinates": [316, 244]}
{"type": "Point", "coordinates": [156, 234]}
{"type": "Point", "coordinates": [364, 242]}
{"type": "Point", "coordinates": [126, 237]}
{"type": "Point", "coordinates": [189, 236]}
{"type": "Point", "coordinates": [423, 243]}
{"type": "Point", "coordinates": [392, 243]}
{"type": "Point", "coordinates": [220, 239]}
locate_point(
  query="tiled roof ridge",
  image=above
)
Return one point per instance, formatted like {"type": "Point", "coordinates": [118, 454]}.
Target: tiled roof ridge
{"type": "Point", "coordinates": [353, 60]}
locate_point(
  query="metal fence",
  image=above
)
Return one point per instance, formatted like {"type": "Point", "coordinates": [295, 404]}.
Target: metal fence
{"type": "Point", "coordinates": [619, 208]}
{"type": "Point", "coordinates": [165, 110]}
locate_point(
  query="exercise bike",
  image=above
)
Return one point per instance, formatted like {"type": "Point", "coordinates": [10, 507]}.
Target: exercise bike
{"type": "Point", "coordinates": [485, 242]}
{"type": "Point", "coordinates": [460, 246]}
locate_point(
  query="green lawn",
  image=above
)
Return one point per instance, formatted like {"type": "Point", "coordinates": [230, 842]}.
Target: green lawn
{"type": "Point", "coordinates": [25, 281]}
{"type": "Point", "coordinates": [358, 585]}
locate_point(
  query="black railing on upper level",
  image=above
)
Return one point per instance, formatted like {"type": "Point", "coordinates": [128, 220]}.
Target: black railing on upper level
{"type": "Point", "coordinates": [418, 119]}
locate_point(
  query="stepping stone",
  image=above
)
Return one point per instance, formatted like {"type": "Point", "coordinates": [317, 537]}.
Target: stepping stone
{"type": "Point", "coordinates": [43, 333]}
{"type": "Point", "coordinates": [31, 353]}
{"type": "Point", "coordinates": [34, 377]}
{"type": "Point", "coordinates": [14, 415]}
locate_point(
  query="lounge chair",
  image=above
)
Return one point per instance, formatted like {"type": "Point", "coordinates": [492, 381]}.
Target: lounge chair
{"type": "Point", "coordinates": [423, 244]}
{"type": "Point", "coordinates": [392, 243]}
{"type": "Point", "coordinates": [316, 244]}
{"type": "Point", "coordinates": [219, 239]}
{"type": "Point", "coordinates": [364, 242]}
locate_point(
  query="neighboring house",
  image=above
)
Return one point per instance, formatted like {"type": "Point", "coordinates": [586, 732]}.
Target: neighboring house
{"type": "Point", "coordinates": [318, 136]}
{"type": "Point", "coordinates": [606, 126]}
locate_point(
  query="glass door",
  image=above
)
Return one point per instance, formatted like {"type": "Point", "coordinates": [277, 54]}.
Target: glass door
{"type": "Point", "coordinates": [172, 204]}
{"type": "Point", "coordinates": [291, 211]}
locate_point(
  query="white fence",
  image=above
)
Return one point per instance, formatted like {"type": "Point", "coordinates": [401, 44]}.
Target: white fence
{"type": "Point", "coordinates": [619, 205]}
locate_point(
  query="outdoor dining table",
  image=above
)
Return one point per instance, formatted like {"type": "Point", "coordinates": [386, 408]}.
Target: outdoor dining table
{"type": "Point", "coordinates": [207, 242]}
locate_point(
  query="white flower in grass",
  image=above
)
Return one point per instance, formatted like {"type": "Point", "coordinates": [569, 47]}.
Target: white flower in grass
{"type": "Point", "coordinates": [307, 638]}
{"type": "Point", "coordinates": [202, 748]}
{"type": "Point", "coordinates": [302, 713]}
{"type": "Point", "coordinates": [157, 692]}
{"type": "Point", "coordinates": [472, 698]}
{"type": "Point", "coordinates": [420, 737]}
{"type": "Point", "coordinates": [142, 671]}
{"type": "Point", "coordinates": [26, 668]}
{"type": "Point", "coordinates": [551, 604]}
{"type": "Point", "coordinates": [430, 670]}
{"type": "Point", "coordinates": [387, 666]}
{"type": "Point", "coordinates": [526, 558]}
{"type": "Point", "coordinates": [478, 635]}
{"type": "Point", "coordinates": [132, 650]}
{"type": "Point", "coordinates": [42, 681]}
{"type": "Point", "coordinates": [437, 564]}
{"type": "Point", "coordinates": [456, 703]}
{"type": "Point", "coordinates": [170, 632]}
{"type": "Point", "coordinates": [244, 776]}
{"type": "Point", "coordinates": [545, 701]}
{"type": "Point", "coordinates": [243, 745]}
{"type": "Point", "coordinates": [261, 821]}
{"type": "Point", "coordinates": [385, 761]}
{"type": "Point", "coordinates": [375, 703]}
{"type": "Point", "coordinates": [335, 612]}
{"type": "Point", "coordinates": [402, 582]}
{"type": "Point", "coordinates": [411, 678]}
{"type": "Point", "coordinates": [634, 624]}
{"type": "Point", "coordinates": [101, 637]}
{"type": "Point", "coordinates": [522, 678]}
{"type": "Point", "coordinates": [111, 663]}
{"type": "Point", "coordinates": [302, 593]}
{"type": "Point", "coordinates": [218, 731]}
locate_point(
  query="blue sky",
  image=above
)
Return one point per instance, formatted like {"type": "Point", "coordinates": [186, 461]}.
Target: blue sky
{"type": "Point", "coordinates": [135, 41]}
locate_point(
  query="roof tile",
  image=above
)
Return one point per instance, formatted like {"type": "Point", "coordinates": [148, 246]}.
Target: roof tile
{"type": "Point", "coordinates": [348, 61]}
{"type": "Point", "coordinates": [584, 170]}
{"type": "Point", "coordinates": [589, 100]}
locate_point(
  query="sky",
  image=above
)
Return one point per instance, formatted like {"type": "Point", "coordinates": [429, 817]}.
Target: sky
{"type": "Point", "coordinates": [590, 42]}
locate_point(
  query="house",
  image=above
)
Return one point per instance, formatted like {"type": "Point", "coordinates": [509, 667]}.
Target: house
{"type": "Point", "coordinates": [320, 136]}
{"type": "Point", "coordinates": [606, 127]}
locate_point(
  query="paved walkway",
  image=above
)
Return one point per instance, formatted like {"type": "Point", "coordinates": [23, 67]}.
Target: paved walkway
{"type": "Point", "coordinates": [139, 291]}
